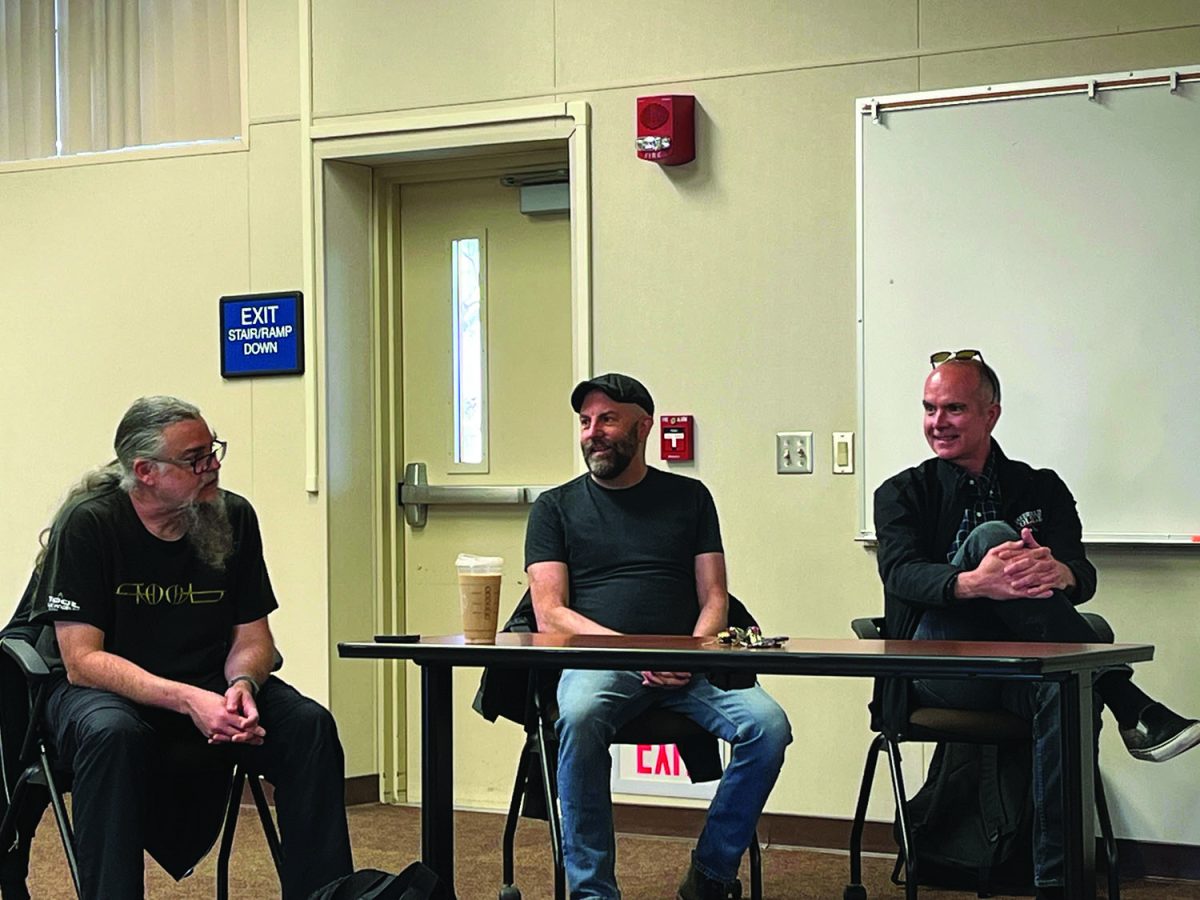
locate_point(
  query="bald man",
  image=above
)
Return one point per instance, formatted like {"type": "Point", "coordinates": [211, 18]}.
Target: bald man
{"type": "Point", "coordinates": [975, 546]}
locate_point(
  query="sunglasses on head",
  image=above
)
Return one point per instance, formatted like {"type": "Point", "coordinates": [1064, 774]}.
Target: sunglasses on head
{"type": "Point", "coordinates": [942, 356]}
{"type": "Point", "coordinates": [936, 359]}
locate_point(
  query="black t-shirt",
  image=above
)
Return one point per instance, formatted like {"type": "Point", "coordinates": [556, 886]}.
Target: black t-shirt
{"type": "Point", "coordinates": [630, 553]}
{"type": "Point", "coordinates": [158, 605]}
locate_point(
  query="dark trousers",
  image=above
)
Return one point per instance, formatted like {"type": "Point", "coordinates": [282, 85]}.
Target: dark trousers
{"type": "Point", "coordinates": [145, 778]}
{"type": "Point", "coordinates": [1038, 620]}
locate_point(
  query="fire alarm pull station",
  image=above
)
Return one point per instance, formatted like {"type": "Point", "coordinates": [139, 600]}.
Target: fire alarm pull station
{"type": "Point", "coordinates": [666, 132]}
{"type": "Point", "coordinates": [678, 437]}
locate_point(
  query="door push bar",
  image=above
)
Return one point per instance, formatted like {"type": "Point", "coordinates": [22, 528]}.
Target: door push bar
{"type": "Point", "coordinates": [416, 494]}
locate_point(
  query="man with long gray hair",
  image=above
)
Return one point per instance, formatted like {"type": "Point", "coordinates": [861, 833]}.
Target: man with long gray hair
{"type": "Point", "coordinates": [153, 580]}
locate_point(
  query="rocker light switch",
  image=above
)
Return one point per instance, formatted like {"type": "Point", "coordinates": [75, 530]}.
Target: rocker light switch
{"type": "Point", "coordinates": [843, 452]}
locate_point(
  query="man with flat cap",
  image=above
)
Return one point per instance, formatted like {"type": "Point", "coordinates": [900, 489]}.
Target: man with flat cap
{"type": "Point", "coordinates": [627, 549]}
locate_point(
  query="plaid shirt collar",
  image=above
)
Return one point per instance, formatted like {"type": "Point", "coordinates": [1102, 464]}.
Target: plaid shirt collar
{"type": "Point", "coordinates": [982, 493]}
{"type": "Point", "coordinates": [984, 483]}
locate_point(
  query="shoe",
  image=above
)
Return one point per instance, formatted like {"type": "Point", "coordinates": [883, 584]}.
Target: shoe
{"type": "Point", "coordinates": [1050, 893]}
{"type": "Point", "coordinates": [698, 886]}
{"type": "Point", "coordinates": [1160, 734]}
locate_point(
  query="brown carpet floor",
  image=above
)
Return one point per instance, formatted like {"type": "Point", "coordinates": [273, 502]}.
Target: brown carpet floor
{"type": "Point", "coordinates": [649, 868]}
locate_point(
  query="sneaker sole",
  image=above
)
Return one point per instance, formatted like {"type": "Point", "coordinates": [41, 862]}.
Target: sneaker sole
{"type": "Point", "coordinates": [1182, 741]}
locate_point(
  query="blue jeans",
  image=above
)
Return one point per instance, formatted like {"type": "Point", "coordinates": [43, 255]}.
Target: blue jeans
{"type": "Point", "coordinates": [593, 705]}
{"type": "Point", "coordinates": [990, 620]}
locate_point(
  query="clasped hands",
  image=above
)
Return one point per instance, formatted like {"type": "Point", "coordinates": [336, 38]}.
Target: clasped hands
{"type": "Point", "coordinates": [666, 679]}
{"type": "Point", "coordinates": [1022, 569]}
{"type": "Point", "coordinates": [231, 718]}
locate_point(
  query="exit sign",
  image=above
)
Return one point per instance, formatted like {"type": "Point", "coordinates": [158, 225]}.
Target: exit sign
{"type": "Point", "coordinates": [262, 334]}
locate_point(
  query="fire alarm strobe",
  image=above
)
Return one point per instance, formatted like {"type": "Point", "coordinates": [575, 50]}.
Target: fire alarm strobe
{"type": "Point", "coordinates": [666, 132]}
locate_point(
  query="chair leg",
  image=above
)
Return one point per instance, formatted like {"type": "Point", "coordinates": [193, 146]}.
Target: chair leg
{"type": "Point", "coordinates": [268, 823]}
{"type": "Point", "coordinates": [906, 836]}
{"type": "Point", "coordinates": [227, 831]}
{"type": "Point", "coordinates": [514, 814]}
{"type": "Point", "coordinates": [552, 817]}
{"type": "Point", "coordinates": [1112, 863]}
{"type": "Point", "coordinates": [65, 832]}
{"type": "Point", "coordinates": [756, 887]}
{"type": "Point", "coordinates": [854, 888]}
{"type": "Point", "coordinates": [8, 825]}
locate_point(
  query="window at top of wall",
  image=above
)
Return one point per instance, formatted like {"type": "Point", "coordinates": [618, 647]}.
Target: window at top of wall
{"type": "Point", "coordinates": [87, 76]}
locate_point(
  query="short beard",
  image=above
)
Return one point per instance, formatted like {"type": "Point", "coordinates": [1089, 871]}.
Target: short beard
{"type": "Point", "coordinates": [210, 531]}
{"type": "Point", "coordinates": [624, 449]}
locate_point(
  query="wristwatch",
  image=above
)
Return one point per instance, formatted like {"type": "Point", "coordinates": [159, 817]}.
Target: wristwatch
{"type": "Point", "coordinates": [246, 678]}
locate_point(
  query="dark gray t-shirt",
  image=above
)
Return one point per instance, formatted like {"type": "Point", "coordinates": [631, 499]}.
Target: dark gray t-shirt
{"type": "Point", "coordinates": [630, 553]}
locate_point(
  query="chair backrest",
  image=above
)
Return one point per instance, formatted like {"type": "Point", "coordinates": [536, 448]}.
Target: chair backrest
{"type": "Point", "coordinates": [502, 690]}
{"type": "Point", "coordinates": [739, 616]}
{"type": "Point", "coordinates": [930, 724]}
{"type": "Point", "coordinates": [505, 692]}
{"type": "Point", "coordinates": [871, 629]}
{"type": "Point", "coordinates": [522, 620]}
{"type": "Point", "coordinates": [868, 629]}
{"type": "Point", "coordinates": [35, 669]}
{"type": "Point", "coordinates": [1099, 625]}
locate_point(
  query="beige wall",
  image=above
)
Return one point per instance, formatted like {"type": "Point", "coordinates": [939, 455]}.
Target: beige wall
{"type": "Point", "coordinates": [109, 276]}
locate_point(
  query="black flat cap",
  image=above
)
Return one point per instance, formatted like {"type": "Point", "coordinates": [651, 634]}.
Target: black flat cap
{"type": "Point", "coordinates": [619, 387]}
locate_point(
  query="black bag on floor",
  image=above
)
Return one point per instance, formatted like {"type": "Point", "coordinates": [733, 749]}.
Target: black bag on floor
{"type": "Point", "coordinates": [417, 882]}
{"type": "Point", "coordinates": [972, 820]}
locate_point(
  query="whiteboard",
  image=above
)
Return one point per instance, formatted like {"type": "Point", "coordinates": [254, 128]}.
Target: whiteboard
{"type": "Point", "coordinates": [1058, 233]}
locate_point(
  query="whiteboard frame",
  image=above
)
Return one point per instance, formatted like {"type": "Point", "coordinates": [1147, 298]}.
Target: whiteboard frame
{"type": "Point", "coordinates": [868, 112]}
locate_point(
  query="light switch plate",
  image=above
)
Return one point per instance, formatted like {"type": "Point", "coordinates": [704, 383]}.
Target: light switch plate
{"type": "Point", "coordinates": [843, 452]}
{"type": "Point", "coordinates": [793, 452]}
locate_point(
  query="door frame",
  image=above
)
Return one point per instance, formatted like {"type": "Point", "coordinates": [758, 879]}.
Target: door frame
{"type": "Point", "coordinates": [343, 154]}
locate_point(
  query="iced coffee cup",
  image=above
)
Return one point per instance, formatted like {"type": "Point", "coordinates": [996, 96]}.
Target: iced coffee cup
{"type": "Point", "coordinates": [479, 595]}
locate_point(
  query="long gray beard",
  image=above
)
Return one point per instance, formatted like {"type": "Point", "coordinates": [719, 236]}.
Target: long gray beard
{"type": "Point", "coordinates": [210, 531]}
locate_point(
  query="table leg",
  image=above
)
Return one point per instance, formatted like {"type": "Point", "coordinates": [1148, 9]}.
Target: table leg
{"type": "Point", "coordinates": [437, 773]}
{"type": "Point", "coordinates": [1078, 782]}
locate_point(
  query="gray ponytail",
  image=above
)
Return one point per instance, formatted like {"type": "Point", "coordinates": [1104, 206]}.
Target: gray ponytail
{"type": "Point", "coordinates": [139, 436]}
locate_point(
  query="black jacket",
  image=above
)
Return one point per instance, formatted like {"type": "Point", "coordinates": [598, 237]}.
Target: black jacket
{"type": "Point", "coordinates": [917, 514]}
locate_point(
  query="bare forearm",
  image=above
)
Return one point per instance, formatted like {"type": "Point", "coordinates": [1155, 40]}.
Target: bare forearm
{"type": "Point", "coordinates": [549, 587]}
{"type": "Point", "coordinates": [109, 672]}
{"type": "Point", "coordinates": [255, 660]}
{"type": "Point", "coordinates": [712, 594]}
{"type": "Point", "coordinates": [714, 616]}
{"type": "Point", "coordinates": [563, 620]}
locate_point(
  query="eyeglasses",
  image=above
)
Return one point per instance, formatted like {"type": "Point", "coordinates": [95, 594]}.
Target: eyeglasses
{"type": "Point", "coordinates": [936, 359]}
{"type": "Point", "coordinates": [198, 464]}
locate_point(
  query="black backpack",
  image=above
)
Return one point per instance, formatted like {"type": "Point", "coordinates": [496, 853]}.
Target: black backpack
{"type": "Point", "coordinates": [972, 820]}
{"type": "Point", "coordinates": [417, 882]}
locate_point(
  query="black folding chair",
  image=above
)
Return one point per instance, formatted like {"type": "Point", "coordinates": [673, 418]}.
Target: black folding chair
{"type": "Point", "coordinates": [40, 770]}
{"type": "Point", "coordinates": [535, 789]}
{"type": "Point", "coordinates": [536, 779]}
{"type": "Point", "coordinates": [931, 724]}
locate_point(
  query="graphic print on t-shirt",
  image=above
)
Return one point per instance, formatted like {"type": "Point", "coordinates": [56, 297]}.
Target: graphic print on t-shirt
{"type": "Point", "coordinates": [151, 594]}
{"type": "Point", "coordinates": [156, 603]}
